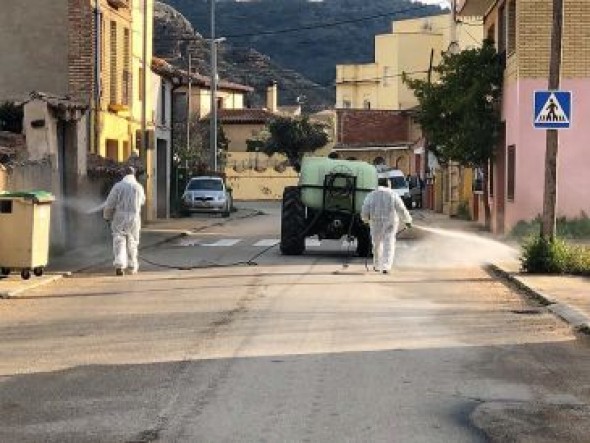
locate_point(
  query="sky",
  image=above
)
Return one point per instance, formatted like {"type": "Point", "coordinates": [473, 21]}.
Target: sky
{"type": "Point", "coordinates": [444, 3]}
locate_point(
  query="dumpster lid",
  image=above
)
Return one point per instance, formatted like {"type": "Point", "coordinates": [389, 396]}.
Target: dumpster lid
{"type": "Point", "coordinates": [35, 196]}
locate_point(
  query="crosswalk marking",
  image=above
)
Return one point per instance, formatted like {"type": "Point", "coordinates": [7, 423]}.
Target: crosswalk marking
{"type": "Point", "coordinates": [267, 242]}
{"type": "Point", "coordinates": [224, 242]}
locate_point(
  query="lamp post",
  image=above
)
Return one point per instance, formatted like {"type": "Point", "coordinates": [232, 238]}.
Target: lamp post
{"type": "Point", "coordinates": [213, 113]}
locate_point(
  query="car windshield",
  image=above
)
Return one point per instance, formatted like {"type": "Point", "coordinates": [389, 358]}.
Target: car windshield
{"type": "Point", "coordinates": [205, 184]}
{"type": "Point", "coordinates": [398, 182]}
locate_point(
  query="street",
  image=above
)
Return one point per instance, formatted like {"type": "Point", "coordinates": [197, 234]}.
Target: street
{"type": "Point", "coordinates": [242, 344]}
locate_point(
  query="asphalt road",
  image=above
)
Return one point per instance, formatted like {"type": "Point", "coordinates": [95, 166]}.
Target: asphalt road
{"type": "Point", "coordinates": [290, 349]}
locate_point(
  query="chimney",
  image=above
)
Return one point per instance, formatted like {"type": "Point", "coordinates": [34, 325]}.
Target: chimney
{"type": "Point", "coordinates": [272, 97]}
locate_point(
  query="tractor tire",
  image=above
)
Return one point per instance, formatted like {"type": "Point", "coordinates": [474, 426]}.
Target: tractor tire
{"type": "Point", "coordinates": [364, 245]}
{"type": "Point", "coordinates": [293, 222]}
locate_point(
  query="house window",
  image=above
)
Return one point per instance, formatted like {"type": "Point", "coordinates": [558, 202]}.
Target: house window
{"type": "Point", "coordinates": [113, 62]}
{"type": "Point", "coordinates": [511, 171]}
{"type": "Point", "coordinates": [163, 119]}
{"type": "Point", "coordinates": [179, 106]}
{"type": "Point", "coordinates": [502, 29]}
{"type": "Point", "coordinates": [112, 149]}
{"type": "Point", "coordinates": [511, 26]}
{"type": "Point", "coordinates": [219, 102]}
{"type": "Point", "coordinates": [126, 90]}
{"type": "Point", "coordinates": [387, 76]}
{"type": "Point", "coordinates": [367, 104]}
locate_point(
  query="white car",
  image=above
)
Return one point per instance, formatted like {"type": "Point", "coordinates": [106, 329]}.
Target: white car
{"type": "Point", "coordinates": [399, 184]}
{"type": "Point", "coordinates": [207, 194]}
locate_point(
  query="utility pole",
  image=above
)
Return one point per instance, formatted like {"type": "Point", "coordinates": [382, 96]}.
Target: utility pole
{"type": "Point", "coordinates": [425, 169]}
{"type": "Point", "coordinates": [144, 81]}
{"type": "Point", "coordinates": [189, 108]}
{"type": "Point", "coordinates": [548, 224]}
{"type": "Point", "coordinates": [213, 85]}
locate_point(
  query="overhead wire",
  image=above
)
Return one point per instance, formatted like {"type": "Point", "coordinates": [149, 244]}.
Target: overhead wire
{"type": "Point", "coordinates": [311, 26]}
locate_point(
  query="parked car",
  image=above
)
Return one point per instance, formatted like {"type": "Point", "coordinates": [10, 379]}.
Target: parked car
{"type": "Point", "coordinates": [416, 185]}
{"type": "Point", "coordinates": [399, 184]}
{"type": "Point", "coordinates": [207, 194]}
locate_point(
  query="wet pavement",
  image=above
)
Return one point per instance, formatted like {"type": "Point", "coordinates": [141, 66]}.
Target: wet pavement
{"type": "Point", "coordinates": [566, 296]}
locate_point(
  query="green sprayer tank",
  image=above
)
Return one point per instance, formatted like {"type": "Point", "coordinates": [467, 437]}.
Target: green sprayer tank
{"type": "Point", "coordinates": [327, 203]}
{"type": "Point", "coordinates": [314, 171]}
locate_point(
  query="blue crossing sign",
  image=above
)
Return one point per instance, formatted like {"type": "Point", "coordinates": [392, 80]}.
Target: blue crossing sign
{"type": "Point", "coordinates": [553, 109]}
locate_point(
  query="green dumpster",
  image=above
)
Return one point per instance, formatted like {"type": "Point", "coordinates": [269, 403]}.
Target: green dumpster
{"type": "Point", "coordinates": [24, 231]}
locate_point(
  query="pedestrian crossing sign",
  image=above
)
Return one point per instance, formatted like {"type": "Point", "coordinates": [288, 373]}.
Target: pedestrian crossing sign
{"type": "Point", "coordinates": [553, 109]}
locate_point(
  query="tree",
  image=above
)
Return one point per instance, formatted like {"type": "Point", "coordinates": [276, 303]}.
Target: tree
{"type": "Point", "coordinates": [293, 137]}
{"type": "Point", "coordinates": [459, 114]}
{"type": "Point", "coordinates": [222, 145]}
{"type": "Point", "coordinates": [189, 155]}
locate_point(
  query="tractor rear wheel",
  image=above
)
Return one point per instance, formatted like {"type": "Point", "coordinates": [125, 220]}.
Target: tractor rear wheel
{"type": "Point", "coordinates": [292, 222]}
{"type": "Point", "coordinates": [364, 245]}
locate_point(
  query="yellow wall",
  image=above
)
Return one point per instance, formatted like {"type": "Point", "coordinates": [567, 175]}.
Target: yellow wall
{"type": "Point", "coordinates": [3, 178]}
{"type": "Point", "coordinates": [264, 185]}
{"type": "Point", "coordinates": [120, 118]}
{"type": "Point", "coordinates": [406, 49]}
{"type": "Point", "coordinates": [238, 134]}
{"type": "Point", "coordinates": [201, 99]}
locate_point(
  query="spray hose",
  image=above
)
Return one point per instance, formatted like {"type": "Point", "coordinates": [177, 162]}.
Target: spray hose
{"type": "Point", "coordinates": [250, 262]}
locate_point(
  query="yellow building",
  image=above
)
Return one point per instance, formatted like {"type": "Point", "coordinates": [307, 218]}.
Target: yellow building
{"type": "Point", "coordinates": [118, 116]}
{"type": "Point", "coordinates": [408, 48]}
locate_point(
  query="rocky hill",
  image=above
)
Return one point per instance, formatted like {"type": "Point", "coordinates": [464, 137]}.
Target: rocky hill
{"type": "Point", "coordinates": [174, 37]}
{"type": "Point", "coordinates": [308, 36]}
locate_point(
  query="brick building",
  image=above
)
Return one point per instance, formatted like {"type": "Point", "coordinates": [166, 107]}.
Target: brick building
{"type": "Point", "coordinates": [377, 136]}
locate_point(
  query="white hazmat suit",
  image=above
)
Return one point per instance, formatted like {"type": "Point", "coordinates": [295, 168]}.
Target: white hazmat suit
{"type": "Point", "coordinates": [382, 209]}
{"type": "Point", "coordinates": [123, 211]}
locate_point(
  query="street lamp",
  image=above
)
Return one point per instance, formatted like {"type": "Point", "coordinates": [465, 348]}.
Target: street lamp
{"type": "Point", "coordinates": [213, 113]}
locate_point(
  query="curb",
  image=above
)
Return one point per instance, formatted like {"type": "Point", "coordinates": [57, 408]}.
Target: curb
{"type": "Point", "coordinates": [572, 316]}
{"type": "Point", "coordinates": [33, 285]}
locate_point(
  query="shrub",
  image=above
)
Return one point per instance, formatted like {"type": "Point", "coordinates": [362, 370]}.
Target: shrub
{"type": "Point", "coordinates": [578, 227]}
{"type": "Point", "coordinates": [579, 260]}
{"type": "Point", "coordinates": [544, 256]}
{"type": "Point", "coordinates": [463, 212]}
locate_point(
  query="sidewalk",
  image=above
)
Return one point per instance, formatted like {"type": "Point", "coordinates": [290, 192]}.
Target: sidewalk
{"type": "Point", "coordinates": [568, 297]}
{"type": "Point", "coordinates": [81, 259]}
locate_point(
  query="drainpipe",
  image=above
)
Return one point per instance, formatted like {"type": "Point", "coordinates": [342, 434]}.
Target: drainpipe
{"type": "Point", "coordinates": [97, 73]}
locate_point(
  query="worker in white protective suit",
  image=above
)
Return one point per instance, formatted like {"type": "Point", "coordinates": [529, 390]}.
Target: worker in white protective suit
{"type": "Point", "coordinates": [382, 209]}
{"type": "Point", "coordinates": [123, 212]}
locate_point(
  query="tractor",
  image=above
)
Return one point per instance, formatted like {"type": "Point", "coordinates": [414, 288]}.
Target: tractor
{"type": "Point", "coordinates": [327, 202]}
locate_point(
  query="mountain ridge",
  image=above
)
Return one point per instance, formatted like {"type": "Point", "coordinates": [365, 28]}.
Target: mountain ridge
{"type": "Point", "coordinates": [175, 37]}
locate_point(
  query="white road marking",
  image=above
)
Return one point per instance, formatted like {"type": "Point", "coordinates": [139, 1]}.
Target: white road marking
{"type": "Point", "coordinates": [224, 242]}
{"type": "Point", "coordinates": [267, 242]}
{"type": "Point", "coordinates": [189, 242]}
